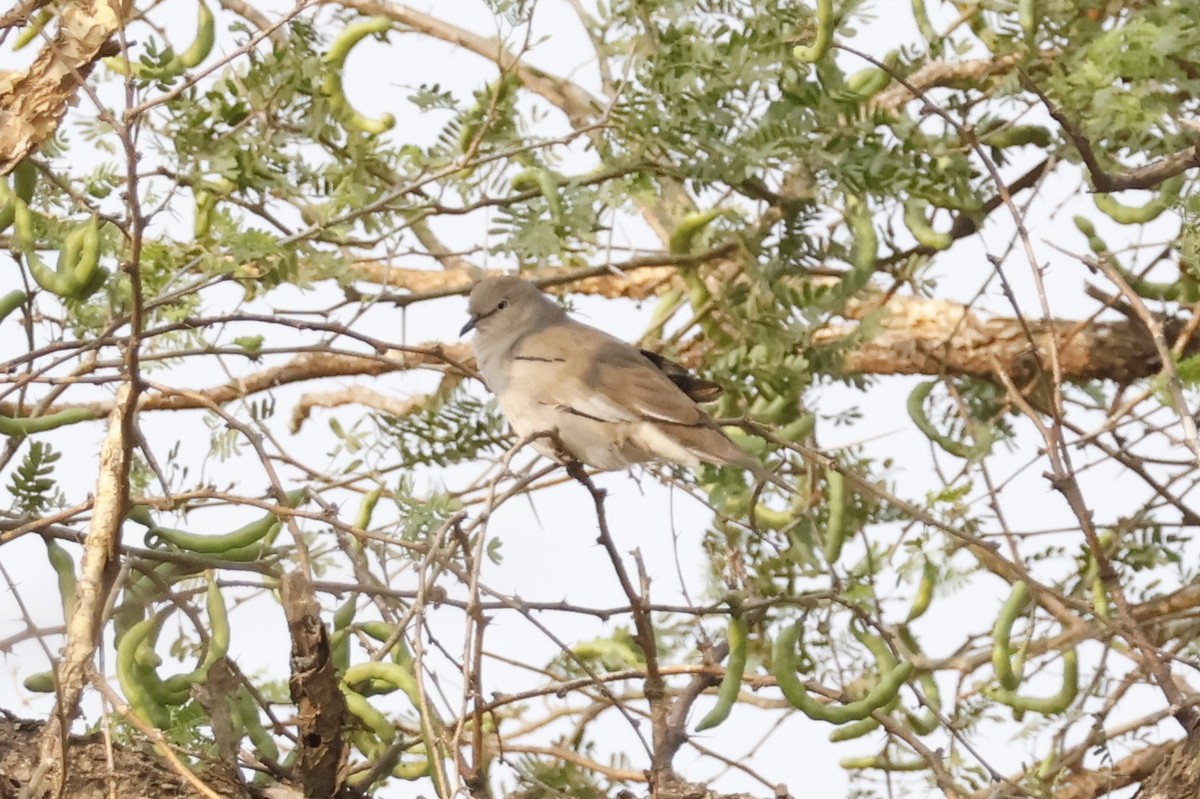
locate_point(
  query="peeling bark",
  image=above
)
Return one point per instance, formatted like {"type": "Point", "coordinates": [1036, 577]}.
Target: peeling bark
{"type": "Point", "coordinates": [1178, 775]}
{"type": "Point", "coordinates": [32, 103]}
{"type": "Point", "coordinates": [930, 337]}
{"type": "Point", "coordinates": [320, 706]}
{"type": "Point", "coordinates": [101, 560]}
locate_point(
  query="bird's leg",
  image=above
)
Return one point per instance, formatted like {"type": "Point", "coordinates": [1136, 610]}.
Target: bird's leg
{"type": "Point", "coordinates": [574, 467]}
{"type": "Point", "coordinates": [578, 472]}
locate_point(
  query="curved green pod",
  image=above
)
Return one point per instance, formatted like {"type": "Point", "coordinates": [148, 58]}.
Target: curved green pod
{"type": "Point", "coordinates": [799, 429]}
{"type": "Point", "coordinates": [35, 27]}
{"type": "Point", "coordinates": [197, 51]}
{"type": "Point", "coordinates": [537, 177]}
{"type": "Point", "coordinates": [885, 664]}
{"type": "Point", "coordinates": [413, 770]}
{"type": "Point", "coordinates": [857, 729]}
{"type": "Point", "coordinates": [202, 216]}
{"type": "Point", "coordinates": [835, 531]}
{"type": "Point", "coordinates": [231, 543]}
{"type": "Point", "coordinates": [367, 508]}
{"type": "Point", "coordinates": [1139, 215]}
{"type": "Point", "coordinates": [28, 425]}
{"type": "Point", "coordinates": [731, 683]}
{"type": "Point", "coordinates": [219, 631]}
{"type": "Point", "coordinates": [158, 689]}
{"type": "Point", "coordinates": [917, 222]}
{"type": "Point", "coordinates": [666, 307]}
{"type": "Point", "coordinates": [868, 82]}
{"type": "Point", "coordinates": [332, 87]}
{"type": "Point", "coordinates": [133, 683]}
{"type": "Point", "coordinates": [923, 723]}
{"type": "Point", "coordinates": [140, 514]}
{"type": "Point", "coordinates": [395, 674]}
{"type": "Point", "coordinates": [52, 281]}
{"type": "Point", "coordinates": [11, 302]}
{"type": "Point", "coordinates": [339, 649]}
{"type": "Point", "coordinates": [916, 412]}
{"type": "Point", "coordinates": [339, 639]}
{"type": "Point", "coordinates": [372, 719]}
{"type": "Point", "coordinates": [1017, 136]}
{"type": "Point", "coordinates": [77, 275]}
{"type": "Point", "coordinates": [382, 632]}
{"type": "Point", "coordinates": [1048, 705]}
{"type": "Point", "coordinates": [24, 180]}
{"type": "Point", "coordinates": [244, 710]}
{"type": "Point", "coordinates": [684, 236]}
{"type": "Point", "coordinates": [924, 594]}
{"type": "Point", "coordinates": [345, 614]}
{"type": "Point", "coordinates": [784, 656]}
{"type": "Point", "coordinates": [1002, 658]}
{"type": "Point", "coordinates": [64, 568]}
{"type": "Point", "coordinates": [864, 251]}
{"type": "Point", "coordinates": [1100, 605]}
{"type": "Point", "coordinates": [254, 551]}
{"type": "Point", "coordinates": [84, 266]}
{"type": "Point", "coordinates": [202, 45]}
{"type": "Point", "coordinates": [8, 207]}
{"type": "Point", "coordinates": [41, 683]}
{"type": "Point", "coordinates": [1085, 226]}
{"type": "Point", "coordinates": [176, 689]}
{"type": "Point", "coordinates": [823, 40]}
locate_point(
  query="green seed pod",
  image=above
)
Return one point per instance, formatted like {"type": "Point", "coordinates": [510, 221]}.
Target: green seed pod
{"type": "Point", "coordinates": [11, 302]}
{"type": "Point", "coordinates": [227, 543]}
{"type": "Point", "coordinates": [64, 567]}
{"type": "Point", "coordinates": [1050, 705]}
{"type": "Point", "coordinates": [395, 674]}
{"type": "Point", "coordinates": [784, 657]}
{"type": "Point", "coordinates": [727, 694]}
{"type": "Point", "coordinates": [1139, 215]}
{"type": "Point", "coordinates": [824, 36]}
{"type": "Point", "coordinates": [40, 683]}
{"type": "Point", "coordinates": [835, 532]}
{"type": "Point", "coordinates": [1002, 659]}
{"type": "Point", "coordinates": [689, 228]}
{"type": "Point", "coordinates": [367, 508]}
{"type": "Point", "coordinates": [28, 425]}
{"type": "Point", "coordinates": [918, 224]}
{"type": "Point", "coordinates": [202, 45]}
{"type": "Point", "coordinates": [916, 412]}
{"type": "Point", "coordinates": [335, 59]}
{"type": "Point", "coordinates": [133, 683]}
{"type": "Point", "coordinates": [924, 593]}
{"type": "Point", "coordinates": [35, 27]}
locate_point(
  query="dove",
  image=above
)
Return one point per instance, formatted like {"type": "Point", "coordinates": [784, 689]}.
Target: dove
{"type": "Point", "coordinates": [600, 401]}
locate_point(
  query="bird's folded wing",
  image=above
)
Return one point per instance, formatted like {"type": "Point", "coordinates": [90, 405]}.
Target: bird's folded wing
{"type": "Point", "coordinates": [585, 371]}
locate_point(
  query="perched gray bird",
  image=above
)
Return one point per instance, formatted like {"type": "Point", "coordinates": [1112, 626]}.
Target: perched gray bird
{"type": "Point", "coordinates": [608, 404]}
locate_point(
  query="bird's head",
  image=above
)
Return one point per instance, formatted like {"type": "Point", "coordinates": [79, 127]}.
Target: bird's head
{"type": "Point", "coordinates": [501, 306]}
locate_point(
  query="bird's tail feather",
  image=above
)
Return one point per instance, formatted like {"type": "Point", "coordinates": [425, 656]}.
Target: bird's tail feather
{"type": "Point", "coordinates": [712, 446]}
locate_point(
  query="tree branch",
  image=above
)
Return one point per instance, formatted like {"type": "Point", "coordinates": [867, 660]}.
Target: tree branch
{"type": "Point", "coordinates": [99, 571]}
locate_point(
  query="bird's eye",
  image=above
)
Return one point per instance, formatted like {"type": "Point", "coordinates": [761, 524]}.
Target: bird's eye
{"type": "Point", "coordinates": [503, 304]}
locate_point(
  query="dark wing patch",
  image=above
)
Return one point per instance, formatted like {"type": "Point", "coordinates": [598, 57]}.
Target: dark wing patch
{"type": "Point", "coordinates": [699, 389]}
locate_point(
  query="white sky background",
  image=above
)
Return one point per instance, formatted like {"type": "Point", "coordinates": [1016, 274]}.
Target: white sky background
{"type": "Point", "coordinates": [556, 558]}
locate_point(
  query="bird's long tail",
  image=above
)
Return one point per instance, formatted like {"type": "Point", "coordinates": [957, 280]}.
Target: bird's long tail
{"type": "Point", "coordinates": [712, 446]}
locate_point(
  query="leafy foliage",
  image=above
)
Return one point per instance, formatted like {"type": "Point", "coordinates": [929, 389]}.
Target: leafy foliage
{"type": "Point", "coordinates": [31, 484]}
{"type": "Point", "coordinates": [801, 234]}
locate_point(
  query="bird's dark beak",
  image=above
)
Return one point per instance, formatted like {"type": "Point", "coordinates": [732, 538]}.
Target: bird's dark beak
{"type": "Point", "coordinates": [469, 326]}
